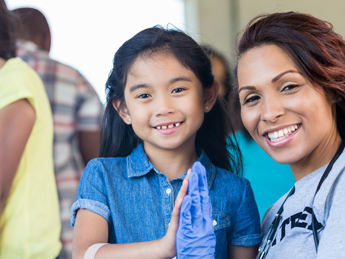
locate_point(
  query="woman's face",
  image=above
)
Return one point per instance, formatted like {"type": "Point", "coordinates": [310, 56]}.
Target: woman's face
{"type": "Point", "coordinates": [290, 119]}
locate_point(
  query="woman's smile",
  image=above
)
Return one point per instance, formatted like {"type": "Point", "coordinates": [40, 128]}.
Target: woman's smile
{"type": "Point", "coordinates": [291, 119]}
{"type": "Point", "coordinates": [281, 137]}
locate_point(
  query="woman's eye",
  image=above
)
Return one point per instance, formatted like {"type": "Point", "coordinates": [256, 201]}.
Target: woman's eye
{"type": "Point", "coordinates": [251, 99]}
{"type": "Point", "coordinates": [290, 87]}
{"type": "Point", "coordinates": [143, 96]}
{"type": "Point", "coordinates": [178, 90]}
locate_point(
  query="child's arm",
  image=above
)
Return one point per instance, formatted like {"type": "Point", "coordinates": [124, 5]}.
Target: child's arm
{"type": "Point", "coordinates": [91, 228]}
{"type": "Point", "coordinates": [16, 122]}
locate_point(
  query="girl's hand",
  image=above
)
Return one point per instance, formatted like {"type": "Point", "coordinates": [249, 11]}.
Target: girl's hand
{"type": "Point", "coordinates": [168, 242]}
{"type": "Point", "coordinates": [195, 236]}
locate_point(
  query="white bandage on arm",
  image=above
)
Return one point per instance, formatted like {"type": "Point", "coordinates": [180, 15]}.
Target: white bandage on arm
{"type": "Point", "coordinates": [92, 250]}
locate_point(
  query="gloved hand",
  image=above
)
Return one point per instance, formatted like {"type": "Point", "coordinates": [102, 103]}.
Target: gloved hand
{"type": "Point", "coordinates": [195, 236]}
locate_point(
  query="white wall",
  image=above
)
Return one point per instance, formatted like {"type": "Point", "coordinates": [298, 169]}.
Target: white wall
{"type": "Point", "coordinates": [218, 21]}
{"type": "Point", "coordinates": [86, 33]}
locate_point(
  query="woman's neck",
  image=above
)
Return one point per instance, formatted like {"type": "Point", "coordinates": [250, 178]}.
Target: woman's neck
{"type": "Point", "coordinates": [321, 156]}
{"type": "Point", "coordinates": [172, 163]}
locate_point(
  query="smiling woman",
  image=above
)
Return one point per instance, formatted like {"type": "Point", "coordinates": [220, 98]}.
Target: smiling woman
{"type": "Point", "coordinates": [291, 85]}
{"type": "Point", "coordinates": [278, 115]}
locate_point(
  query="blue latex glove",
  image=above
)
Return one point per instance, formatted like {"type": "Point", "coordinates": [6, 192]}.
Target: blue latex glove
{"type": "Point", "coordinates": [195, 236]}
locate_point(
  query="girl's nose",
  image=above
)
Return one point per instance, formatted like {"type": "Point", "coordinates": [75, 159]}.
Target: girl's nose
{"type": "Point", "coordinates": [271, 109]}
{"type": "Point", "coordinates": [164, 106]}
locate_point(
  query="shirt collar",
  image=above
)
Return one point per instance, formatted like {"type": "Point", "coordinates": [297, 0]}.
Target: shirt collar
{"type": "Point", "coordinates": [139, 165]}
{"type": "Point", "coordinates": [29, 46]}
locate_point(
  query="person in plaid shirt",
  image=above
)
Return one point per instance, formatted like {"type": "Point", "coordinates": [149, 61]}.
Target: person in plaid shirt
{"type": "Point", "coordinates": [76, 109]}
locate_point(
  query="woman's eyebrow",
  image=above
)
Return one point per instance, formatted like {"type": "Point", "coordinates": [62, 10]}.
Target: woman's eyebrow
{"type": "Point", "coordinates": [276, 78]}
{"type": "Point", "coordinates": [246, 88]}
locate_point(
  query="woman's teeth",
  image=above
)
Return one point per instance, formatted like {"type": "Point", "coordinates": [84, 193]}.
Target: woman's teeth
{"type": "Point", "coordinates": [168, 126]}
{"type": "Point", "coordinates": [281, 134]}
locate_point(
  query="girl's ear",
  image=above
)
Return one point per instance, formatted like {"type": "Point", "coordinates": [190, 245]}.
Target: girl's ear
{"type": "Point", "coordinates": [122, 111]}
{"type": "Point", "coordinates": [210, 96]}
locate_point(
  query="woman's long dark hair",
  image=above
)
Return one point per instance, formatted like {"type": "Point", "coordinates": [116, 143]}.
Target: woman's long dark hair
{"type": "Point", "coordinates": [118, 139]}
{"type": "Point", "coordinates": [7, 32]}
{"type": "Point", "coordinates": [312, 44]}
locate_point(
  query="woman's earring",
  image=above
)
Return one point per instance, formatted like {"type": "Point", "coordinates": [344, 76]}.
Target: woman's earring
{"type": "Point", "coordinates": [129, 119]}
{"type": "Point", "coordinates": [340, 99]}
{"type": "Point", "coordinates": [206, 107]}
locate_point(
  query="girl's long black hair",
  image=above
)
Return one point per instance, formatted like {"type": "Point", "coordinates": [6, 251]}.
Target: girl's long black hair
{"type": "Point", "coordinates": [118, 139]}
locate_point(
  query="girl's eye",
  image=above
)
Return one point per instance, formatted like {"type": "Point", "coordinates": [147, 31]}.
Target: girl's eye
{"type": "Point", "coordinates": [251, 99]}
{"type": "Point", "coordinates": [290, 87]}
{"type": "Point", "coordinates": [178, 90]}
{"type": "Point", "coordinates": [143, 96]}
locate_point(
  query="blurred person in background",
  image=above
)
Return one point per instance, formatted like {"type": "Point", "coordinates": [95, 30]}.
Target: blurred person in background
{"type": "Point", "coordinates": [269, 179]}
{"type": "Point", "coordinates": [29, 210]}
{"type": "Point", "coordinates": [221, 71]}
{"type": "Point", "coordinates": [76, 109]}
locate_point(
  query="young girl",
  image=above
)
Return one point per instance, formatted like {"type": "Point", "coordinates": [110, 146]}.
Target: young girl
{"type": "Point", "coordinates": [162, 115]}
{"type": "Point", "coordinates": [292, 86]}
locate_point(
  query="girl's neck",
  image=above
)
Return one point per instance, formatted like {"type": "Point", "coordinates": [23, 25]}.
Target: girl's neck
{"type": "Point", "coordinates": [321, 156]}
{"type": "Point", "coordinates": [172, 163]}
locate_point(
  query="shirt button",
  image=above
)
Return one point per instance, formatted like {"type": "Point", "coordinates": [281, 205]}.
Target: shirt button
{"type": "Point", "coordinates": [214, 223]}
{"type": "Point", "coordinates": [168, 191]}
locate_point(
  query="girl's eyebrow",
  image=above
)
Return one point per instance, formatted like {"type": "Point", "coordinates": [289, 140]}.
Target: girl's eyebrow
{"type": "Point", "coordinates": [181, 78]}
{"type": "Point", "coordinates": [174, 80]}
{"type": "Point", "coordinates": [134, 87]}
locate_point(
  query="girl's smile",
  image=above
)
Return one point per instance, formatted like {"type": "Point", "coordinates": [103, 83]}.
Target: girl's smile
{"type": "Point", "coordinates": [168, 128]}
{"type": "Point", "coordinates": [291, 119]}
{"type": "Point", "coordinates": [164, 101]}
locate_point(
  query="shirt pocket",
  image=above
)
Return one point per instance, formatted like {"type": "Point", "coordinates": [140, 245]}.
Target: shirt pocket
{"type": "Point", "coordinates": [221, 222]}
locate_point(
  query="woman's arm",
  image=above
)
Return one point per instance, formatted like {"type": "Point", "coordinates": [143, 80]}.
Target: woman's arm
{"type": "Point", "coordinates": [242, 252]}
{"type": "Point", "coordinates": [91, 228]}
{"type": "Point", "coordinates": [16, 122]}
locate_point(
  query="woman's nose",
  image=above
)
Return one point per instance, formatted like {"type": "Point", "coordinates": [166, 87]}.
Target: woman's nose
{"type": "Point", "coordinates": [271, 109]}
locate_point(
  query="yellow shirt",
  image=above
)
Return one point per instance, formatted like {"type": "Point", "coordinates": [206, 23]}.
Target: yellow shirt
{"type": "Point", "coordinates": [30, 225]}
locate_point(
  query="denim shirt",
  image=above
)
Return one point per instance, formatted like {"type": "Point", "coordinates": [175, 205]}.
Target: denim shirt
{"type": "Point", "coordinates": [137, 201]}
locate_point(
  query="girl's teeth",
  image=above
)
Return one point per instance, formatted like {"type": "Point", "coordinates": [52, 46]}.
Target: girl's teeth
{"type": "Point", "coordinates": [169, 126]}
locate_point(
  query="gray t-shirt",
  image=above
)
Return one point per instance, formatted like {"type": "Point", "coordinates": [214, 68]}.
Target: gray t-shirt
{"type": "Point", "coordinates": [294, 237]}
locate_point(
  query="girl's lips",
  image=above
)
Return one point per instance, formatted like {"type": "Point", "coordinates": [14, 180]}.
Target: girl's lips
{"type": "Point", "coordinates": [168, 125]}
{"type": "Point", "coordinates": [168, 128]}
{"type": "Point", "coordinates": [282, 137]}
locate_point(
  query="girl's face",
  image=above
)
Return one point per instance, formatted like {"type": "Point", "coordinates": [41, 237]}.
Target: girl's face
{"type": "Point", "coordinates": [165, 102]}
{"type": "Point", "coordinates": [291, 119]}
